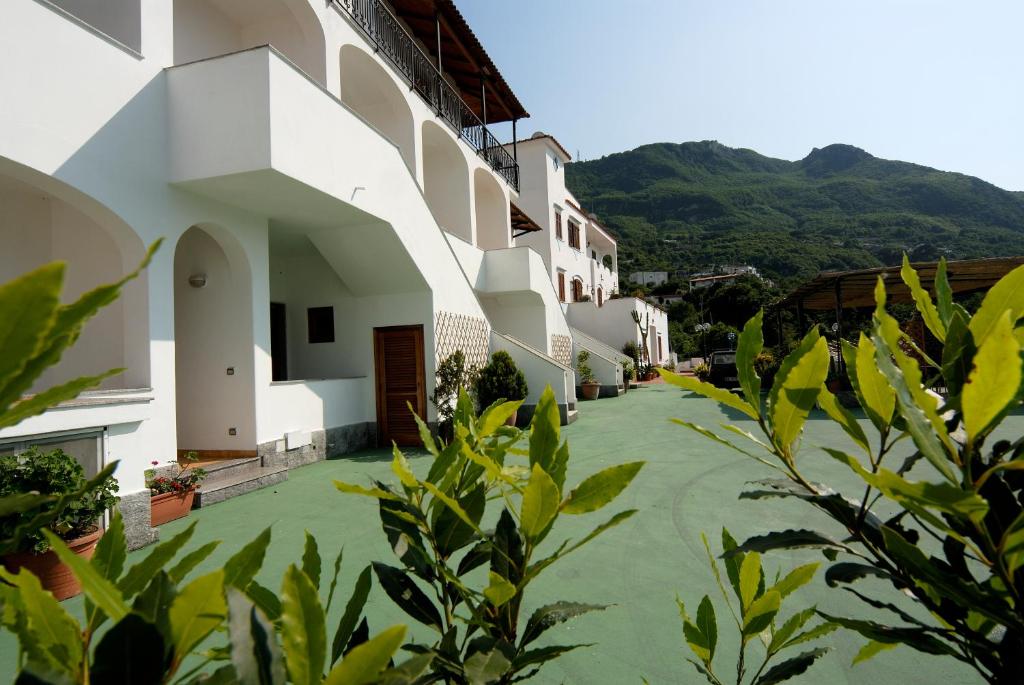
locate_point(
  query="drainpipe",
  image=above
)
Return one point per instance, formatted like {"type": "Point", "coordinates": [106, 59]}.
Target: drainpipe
{"type": "Point", "coordinates": [483, 99]}
{"type": "Point", "coordinates": [515, 155]}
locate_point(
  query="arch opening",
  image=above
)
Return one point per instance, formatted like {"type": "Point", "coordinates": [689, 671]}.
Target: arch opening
{"type": "Point", "coordinates": [43, 220]}
{"type": "Point", "coordinates": [373, 94]}
{"type": "Point", "coordinates": [493, 230]}
{"type": "Point", "coordinates": [446, 182]}
{"type": "Point", "coordinates": [209, 28]}
{"type": "Point", "coordinates": [213, 344]}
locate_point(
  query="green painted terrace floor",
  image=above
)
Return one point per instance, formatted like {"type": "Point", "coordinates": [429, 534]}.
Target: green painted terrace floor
{"type": "Point", "coordinates": [690, 485]}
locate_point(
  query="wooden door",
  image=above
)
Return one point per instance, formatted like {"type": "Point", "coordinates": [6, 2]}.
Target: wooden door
{"type": "Point", "coordinates": [400, 375]}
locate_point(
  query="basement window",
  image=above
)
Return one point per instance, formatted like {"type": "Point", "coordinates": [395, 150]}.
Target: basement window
{"type": "Point", "coordinates": [320, 322]}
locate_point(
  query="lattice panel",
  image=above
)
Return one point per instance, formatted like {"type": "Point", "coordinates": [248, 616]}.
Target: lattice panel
{"type": "Point", "coordinates": [561, 348]}
{"type": "Point", "coordinates": [462, 332]}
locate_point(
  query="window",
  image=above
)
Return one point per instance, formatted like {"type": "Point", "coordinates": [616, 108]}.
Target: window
{"type": "Point", "coordinates": [320, 321]}
{"type": "Point", "coordinates": [577, 290]}
{"type": "Point", "coordinates": [561, 286]}
{"type": "Point", "coordinates": [574, 234]}
{"type": "Point", "coordinates": [600, 297]}
{"type": "Point", "coordinates": [558, 225]}
{"type": "Point", "coordinates": [593, 255]}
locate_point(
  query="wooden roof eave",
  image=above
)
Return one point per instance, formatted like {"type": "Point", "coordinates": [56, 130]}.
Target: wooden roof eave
{"type": "Point", "coordinates": [522, 224]}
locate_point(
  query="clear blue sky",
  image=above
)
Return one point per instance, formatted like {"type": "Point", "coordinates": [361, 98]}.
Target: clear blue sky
{"type": "Point", "coordinates": [936, 82]}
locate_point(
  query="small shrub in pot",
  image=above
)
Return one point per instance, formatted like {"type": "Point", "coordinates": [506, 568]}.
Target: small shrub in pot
{"type": "Point", "coordinates": [591, 388]}
{"type": "Point", "coordinates": [500, 380]}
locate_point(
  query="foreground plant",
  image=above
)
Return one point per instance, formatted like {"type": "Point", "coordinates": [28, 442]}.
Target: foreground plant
{"type": "Point", "coordinates": [956, 543]}
{"type": "Point", "coordinates": [758, 608]}
{"type": "Point", "coordinates": [35, 330]}
{"type": "Point", "coordinates": [435, 527]}
{"type": "Point", "coordinates": [160, 617]}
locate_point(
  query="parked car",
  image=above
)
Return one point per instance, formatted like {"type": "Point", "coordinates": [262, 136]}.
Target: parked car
{"type": "Point", "coordinates": [723, 369]}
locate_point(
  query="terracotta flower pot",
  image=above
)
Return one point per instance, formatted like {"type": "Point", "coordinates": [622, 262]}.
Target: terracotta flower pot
{"type": "Point", "coordinates": [51, 571]}
{"type": "Point", "coordinates": [170, 505]}
{"type": "Point", "coordinates": [591, 390]}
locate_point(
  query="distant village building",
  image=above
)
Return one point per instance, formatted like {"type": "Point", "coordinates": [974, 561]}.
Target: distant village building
{"type": "Point", "coordinates": [648, 277]}
{"type": "Point", "coordinates": [723, 274]}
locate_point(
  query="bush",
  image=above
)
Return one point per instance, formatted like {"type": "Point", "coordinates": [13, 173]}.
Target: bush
{"type": "Point", "coordinates": [501, 379]}
{"type": "Point", "coordinates": [52, 474]}
{"type": "Point", "coordinates": [758, 605]}
{"type": "Point", "coordinates": [631, 350]}
{"type": "Point", "coordinates": [956, 542]}
{"type": "Point", "coordinates": [452, 375]}
{"type": "Point", "coordinates": [160, 616]}
{"type": "Point", "coordinates": [627, 370]}
{"type": "Point", "coordinates": [435, 525]}
{"type": "Point", "coordinates": [766, 365]}
{"type": "Point", "coordinates": [583, 369]}
{"type": "Point", "coordinates": [702, 371]}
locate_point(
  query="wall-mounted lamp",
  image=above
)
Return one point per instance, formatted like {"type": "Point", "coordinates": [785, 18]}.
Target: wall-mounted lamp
{"type": "Point", "coordinates": [197, 280]}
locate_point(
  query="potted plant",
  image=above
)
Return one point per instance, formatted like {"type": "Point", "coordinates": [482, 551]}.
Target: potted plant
{"type": "Point", "coordinates": [53, 473]}
{"type": "Point", "coordinates": [171, 496]}
{"type": "Point", "coordinates": [453, 374]}
{"type": "Point", "coordinates": [501, 380]}
{"type": "Point", "coordinates": [591, 388]}
{"type": "Point", "coordinates": [627, 374]}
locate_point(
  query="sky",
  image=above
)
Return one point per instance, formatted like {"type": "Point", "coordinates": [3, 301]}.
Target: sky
{"type": "Point", "coordinates": [935, 82]}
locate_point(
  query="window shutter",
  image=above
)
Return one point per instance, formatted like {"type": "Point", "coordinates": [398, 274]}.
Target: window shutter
{"type": "Point", "coordinates": [561, 286]}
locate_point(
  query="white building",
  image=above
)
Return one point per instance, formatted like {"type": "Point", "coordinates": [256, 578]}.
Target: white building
{"type": "Point", "coordinates": [582, 258]}
{"type": "Point", "coordinates": [337, 219]}
{"type": "Point", "coordinates": [648, 277]}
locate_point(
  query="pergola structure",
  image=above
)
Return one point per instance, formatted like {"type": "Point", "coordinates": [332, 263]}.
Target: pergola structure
{"type": "Point", "coordinates": [840, 290]}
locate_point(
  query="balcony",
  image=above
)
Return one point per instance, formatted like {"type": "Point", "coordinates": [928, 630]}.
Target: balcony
{"type": "Point", "coordinates": [386, 33]}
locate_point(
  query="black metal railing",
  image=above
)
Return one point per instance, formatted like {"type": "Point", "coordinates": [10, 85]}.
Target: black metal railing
{"type": "Point", "coordinates": [391, 39]}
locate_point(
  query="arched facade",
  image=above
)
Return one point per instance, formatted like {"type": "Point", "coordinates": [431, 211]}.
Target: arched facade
{"type": "Point", "coordinates": [446, 181]}
{"type": "Point", "coordinates": [213, 343]}
{"type": "Point", "coordinates": [373, 94]}
{"type": "Point", "coordinates": [208, 28]}
{"type": "Point", "coordinates": [493, 231]}
{"type": "Point", "coordinates": [43, 220]}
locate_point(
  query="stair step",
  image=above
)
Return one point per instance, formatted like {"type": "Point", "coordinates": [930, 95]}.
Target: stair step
{"type": "Point", "coordinates": [227, 483]}
{"type": "Point", "coordinates": [571, 416]}
{"type": "Point", "coordinates": [226, 468]}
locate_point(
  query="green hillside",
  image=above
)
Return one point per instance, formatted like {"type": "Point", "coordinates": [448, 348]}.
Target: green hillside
{"type": "Point", "coordinates": [694, 205]}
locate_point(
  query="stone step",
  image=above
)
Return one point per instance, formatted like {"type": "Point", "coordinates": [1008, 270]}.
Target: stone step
{"type": "Point", "coordinates": [228, 468]}
{"type": "Point", "coordinates": [571, 416]}
{"type": "Point", "coordinates": [226, 483]}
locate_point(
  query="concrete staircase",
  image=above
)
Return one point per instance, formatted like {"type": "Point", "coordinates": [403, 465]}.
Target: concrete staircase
{"type": "Point", "coordinates": [234, 477]}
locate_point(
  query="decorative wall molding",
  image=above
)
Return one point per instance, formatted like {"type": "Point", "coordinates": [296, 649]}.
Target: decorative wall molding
{"type": "Point", "coordinates": [470, 334]}
{"type": "Point", "coordinates": [561, 349]}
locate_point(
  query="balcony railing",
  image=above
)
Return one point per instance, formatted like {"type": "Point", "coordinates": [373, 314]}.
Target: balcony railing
{"type": "Point", "coordinates": [391, 39]}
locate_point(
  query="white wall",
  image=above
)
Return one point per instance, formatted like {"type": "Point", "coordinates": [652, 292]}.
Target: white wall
{"type": "Point", "coordinates": [207, 28]}
{"type": "Point", "coordinates": [446, 182]}
{"type": "Point", "coordinates": [105, 145]}
{"type": "Point", "coordinates": [493, 230]}
{"type": "Point", "coordinates": [213, 332]}
{"type": "Point", "coordinates": [37, 228]}
{"type": "Point", "coordinates": [119, 19]}
{"type": "Point", "coordinates": [612, 324]}
{"type": "Point", "coordinates": [314, 405]}
{"type": "Point", "coordinates": [540, 371]}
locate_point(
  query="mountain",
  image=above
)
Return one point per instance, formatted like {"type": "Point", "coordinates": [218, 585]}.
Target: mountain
{"type": "Point", "coordinates": [692, 206]}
